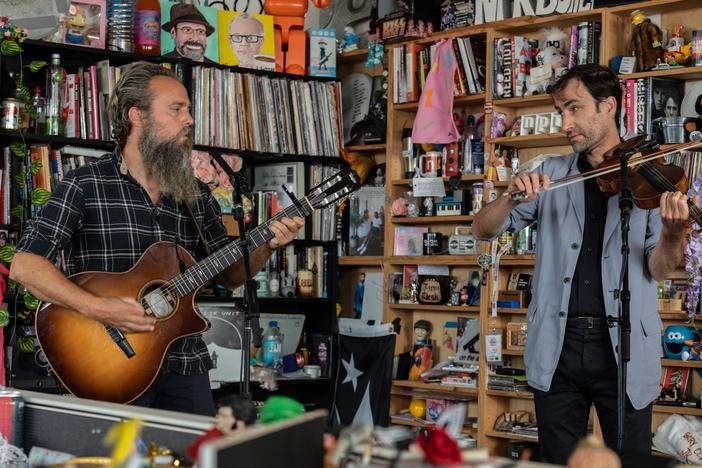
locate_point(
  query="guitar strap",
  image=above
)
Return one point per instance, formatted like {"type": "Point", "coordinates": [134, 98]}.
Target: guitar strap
{"type": "Point", "coordinates": [199, 231]}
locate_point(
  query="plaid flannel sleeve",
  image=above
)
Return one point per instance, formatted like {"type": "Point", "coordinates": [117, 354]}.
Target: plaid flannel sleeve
{"type": "Point", "coordinates": [52, 229]}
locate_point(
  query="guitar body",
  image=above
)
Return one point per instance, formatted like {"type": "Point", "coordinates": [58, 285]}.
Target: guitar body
{"type": "Point", "coordinates": [80, 350]}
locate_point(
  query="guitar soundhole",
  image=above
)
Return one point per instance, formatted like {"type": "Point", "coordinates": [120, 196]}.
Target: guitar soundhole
{"type": "Point", "coordinates": [159, 301]}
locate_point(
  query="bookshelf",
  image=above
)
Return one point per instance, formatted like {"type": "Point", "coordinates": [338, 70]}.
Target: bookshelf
{"type": "Point", "coordinates": [615, 31]}
{"type": "Point", "coordinates": [320, 312]}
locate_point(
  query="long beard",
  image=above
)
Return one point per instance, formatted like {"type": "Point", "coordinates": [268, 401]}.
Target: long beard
{"type": "Point", "coordinates": [169, 164]}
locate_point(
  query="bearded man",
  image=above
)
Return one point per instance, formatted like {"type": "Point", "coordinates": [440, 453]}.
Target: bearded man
{"type": "Point", "coordinates": [104, 215]}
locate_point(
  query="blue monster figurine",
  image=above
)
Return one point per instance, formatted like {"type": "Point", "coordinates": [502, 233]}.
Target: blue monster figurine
{"type": "Point", "coordinates": [674, 340]}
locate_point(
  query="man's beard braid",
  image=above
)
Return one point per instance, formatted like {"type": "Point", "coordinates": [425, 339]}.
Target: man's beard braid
{"type": "Point", "coordinates": [169, 164]}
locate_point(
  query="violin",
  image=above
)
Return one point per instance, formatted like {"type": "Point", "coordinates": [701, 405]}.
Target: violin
{"type": "Point", "coordinates": [648, 174]}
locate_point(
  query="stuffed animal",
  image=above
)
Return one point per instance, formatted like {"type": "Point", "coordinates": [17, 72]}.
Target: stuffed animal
{"type": "Point", "coordinates": [694, 352]}
{"type": "Point", "coordinates": [694, 127]}
{"type": "Point", "coordinates": [645, 43]}
{"type": "Point", "coordinates": [675, 339]}
{"type": "Point", "coordinates": [559, 64]}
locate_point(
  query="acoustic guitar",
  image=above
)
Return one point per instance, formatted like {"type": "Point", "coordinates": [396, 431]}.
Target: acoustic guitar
{"type": "Point", "coordinates": [96, 361]}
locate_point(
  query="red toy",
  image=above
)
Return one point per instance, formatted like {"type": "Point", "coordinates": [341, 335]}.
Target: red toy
{"type": "Point", "coordinates": [290, 39]}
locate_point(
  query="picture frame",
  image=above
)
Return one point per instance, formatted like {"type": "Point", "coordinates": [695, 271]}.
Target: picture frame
{"type": "Point", "coordinates": [85, 24]}
{"type": "Point", "coordinates": [516, 335]}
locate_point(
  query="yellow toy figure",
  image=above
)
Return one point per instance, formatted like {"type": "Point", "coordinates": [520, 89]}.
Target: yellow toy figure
{"type": "Point", "coordinates": [677, 52]}
{"type": "Point", "coordinates": [75, 25]}
{"type": "Point", "coordinates": [645, 41]}
{"type": "Point", "coordinates": [290, 39]}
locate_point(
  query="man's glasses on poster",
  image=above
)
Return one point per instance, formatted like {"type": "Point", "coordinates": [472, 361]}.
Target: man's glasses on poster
{"type": "Point", "coordinates": [251, 38]}
{"type": "Point", "coordinates": [188, 30]}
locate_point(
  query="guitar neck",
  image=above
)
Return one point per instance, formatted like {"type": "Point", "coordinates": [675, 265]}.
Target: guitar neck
{"type": "Point", "coordinates": [208, 268]}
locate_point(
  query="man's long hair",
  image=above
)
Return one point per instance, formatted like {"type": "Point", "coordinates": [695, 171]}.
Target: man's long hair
{"type": "Point", "coordinates": [132, 90]}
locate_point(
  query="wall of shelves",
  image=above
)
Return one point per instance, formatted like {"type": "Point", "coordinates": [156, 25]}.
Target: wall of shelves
{"type": "Point", "coordinates": [616, 29]}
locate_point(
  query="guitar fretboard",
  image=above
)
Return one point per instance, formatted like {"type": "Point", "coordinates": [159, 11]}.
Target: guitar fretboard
{"type": "Point", "coordinates": [208, 268]}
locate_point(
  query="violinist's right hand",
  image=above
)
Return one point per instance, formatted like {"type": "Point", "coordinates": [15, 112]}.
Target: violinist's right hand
{"type": "Point", "coordinates": [529, 184]}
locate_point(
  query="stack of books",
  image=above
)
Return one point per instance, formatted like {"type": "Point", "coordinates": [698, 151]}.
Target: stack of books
{"type": "Point", "coordinates": [508, 380]}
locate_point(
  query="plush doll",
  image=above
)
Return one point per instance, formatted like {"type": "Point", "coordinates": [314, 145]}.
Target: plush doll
{"type": "Point", "coordinates": [559, 64]}
{"type": "Point", "coordinates": [694, 127]}
{"type": "Point", "coordinates": [694, 352]}
{"type": "Point", "coordinates": [555, 54]}
{"type": "Point", "coordinates": [645, 43]}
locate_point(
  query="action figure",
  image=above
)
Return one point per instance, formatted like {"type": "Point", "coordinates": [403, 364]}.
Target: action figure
{"type": "Point", "coordinates": [290, 39]}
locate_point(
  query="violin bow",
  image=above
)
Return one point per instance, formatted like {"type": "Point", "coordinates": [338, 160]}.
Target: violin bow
{"type": "Point", "coordinates": [633, 161]}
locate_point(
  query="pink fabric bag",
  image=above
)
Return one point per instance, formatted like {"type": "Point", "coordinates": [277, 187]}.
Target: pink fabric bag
{"type": "Point", "coordinates": [434, 121]}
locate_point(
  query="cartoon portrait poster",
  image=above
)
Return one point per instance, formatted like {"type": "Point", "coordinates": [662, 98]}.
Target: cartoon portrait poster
{"type": "Point", "coordinates": [246, 40]}
{"type": "Point", "coordinates": [189, 31]}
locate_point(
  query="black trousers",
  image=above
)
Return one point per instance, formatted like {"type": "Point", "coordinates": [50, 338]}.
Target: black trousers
{"type": "Point", "coordinates": [175, 392]}
{"type": "Point", "coordinates": [586, 375]}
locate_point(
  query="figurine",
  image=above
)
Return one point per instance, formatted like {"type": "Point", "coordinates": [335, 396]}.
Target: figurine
{"type": "Point", "coordinates": [75, 24]}
{"type": "Point", "coordinates": [422, 331]}
{"type": "Point", "coordinates": [455, 295]}
{"type": "Point", "coordinates": [350, 38]}
{"type": "Point", "coordinates": [290, 37]}
{"type": "Point", "coordinates": [414, 291]}
{"type": "Point", "coordinates": [234, 415]}
{"type": "Point", "coordinates": [428, 204]}
{"type": "Point", "coordinates": [675, 51]}
{"type": "Point", "coordinates": [421, 351]}
{"type": "Point", "coordinates": [645, 43]}
{"type": "Point", "coordinates": [464, 297]}
{"type": "Point", "coordinates": [358, 296]}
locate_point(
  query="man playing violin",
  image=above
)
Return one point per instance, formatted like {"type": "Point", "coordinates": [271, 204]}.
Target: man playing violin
{"type": "Point", "coordinates": [570, 354]}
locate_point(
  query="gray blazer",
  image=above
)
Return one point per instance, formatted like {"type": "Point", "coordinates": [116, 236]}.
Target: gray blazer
{"type": "Point", "coordinates": [560, 214]}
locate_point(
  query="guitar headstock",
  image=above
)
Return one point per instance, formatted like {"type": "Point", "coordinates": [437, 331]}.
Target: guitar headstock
{"type": "Point", "coordinates": [334, 189]}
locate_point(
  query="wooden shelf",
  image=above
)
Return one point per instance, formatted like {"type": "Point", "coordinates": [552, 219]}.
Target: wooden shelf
{"type": "Point", "coordinates": [404, 422]}
{"type": "Point", "coordinates": [499, 393]}
{"type": "Point", "coordinates": [677, 409]}
{"type": "Point", "coordinates": [357, 55]}
{"type": "Point", "coordinates": [432, 219]}
{"type": "Point", "coordinates": [509, 311]}
{"type": "Point", "coordinates": [457, 101]}
{"type": "Point", "coordinates": [434, 260]}
{"type": "Point", "coordinates": [437, 308]}
{"type": "Point", "coordinates": [685, 73]}
{"type": "Point", "coordinates": [518, 260]}
{"type": "Point", "coordinates": [464, 178]}
{"type": "Point", "coordinates": [531, 141]}
{"type": "Point", "coordinates": [510, 436]}
{"type": "Point", "coordinates": [525, 101]}
{"type": "Point", "coordinates": [433, 387]}
{"type": "Point", "coordinates": [361, 260]}
{"type": "Point", "coordinates": [513, 352]}
{"type": "Point", "coordinates": [374, 148]}
{"type": "Point", "coordinates": [677, 316]}
{"type": "Point", "coordinates": [679, 363]}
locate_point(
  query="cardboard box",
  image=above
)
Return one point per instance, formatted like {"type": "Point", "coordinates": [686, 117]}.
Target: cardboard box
{"type": "Point", "coordinates": [670, 305]}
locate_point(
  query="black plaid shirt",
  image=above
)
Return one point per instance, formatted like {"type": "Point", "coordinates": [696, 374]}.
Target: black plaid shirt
{"type": "Point", "coordinates": [104, 220]}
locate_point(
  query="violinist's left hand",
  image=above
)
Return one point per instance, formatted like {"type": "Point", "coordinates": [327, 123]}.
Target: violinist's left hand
{"type": "Point", "coordinates": [674, 212]}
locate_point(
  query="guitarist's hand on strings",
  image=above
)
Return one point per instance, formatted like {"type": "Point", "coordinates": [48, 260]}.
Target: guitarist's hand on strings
{"type": "Point", "coordinates": [285, 231]}
{"type": "Point", "coordinates": [122, 313]}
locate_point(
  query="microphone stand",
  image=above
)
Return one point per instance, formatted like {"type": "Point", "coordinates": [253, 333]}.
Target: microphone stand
{"type": "Point", "coordinates": [623, 320]}
{"type": "Point", "coordinates": [252, 329]}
